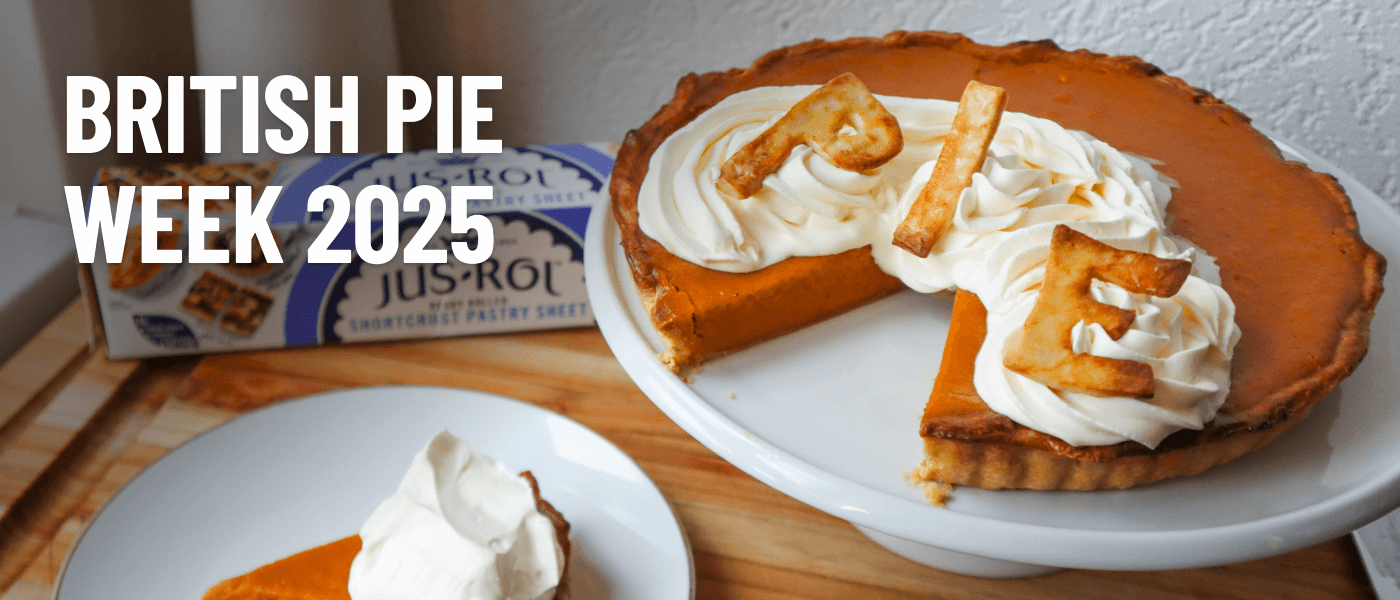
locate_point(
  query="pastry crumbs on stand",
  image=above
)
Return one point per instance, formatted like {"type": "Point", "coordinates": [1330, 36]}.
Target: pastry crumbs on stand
{"type": "Point", "coordinates": [688, 376]}
{"type": "Point", "coordinates": [936, 493]}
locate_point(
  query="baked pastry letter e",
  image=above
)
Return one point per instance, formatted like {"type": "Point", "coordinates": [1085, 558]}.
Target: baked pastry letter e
{"type": "Point", "coordinates": [1042, 349]}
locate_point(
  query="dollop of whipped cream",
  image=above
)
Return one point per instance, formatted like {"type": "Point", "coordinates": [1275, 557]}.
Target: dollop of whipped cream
{"type": "Point", "coordinates": [460, 527]}
{"type": "Point", "coordinates": [1037, 174]}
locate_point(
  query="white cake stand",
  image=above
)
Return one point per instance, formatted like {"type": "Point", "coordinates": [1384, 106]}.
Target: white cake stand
{"type": "Point", "coordinates": [829, 415]}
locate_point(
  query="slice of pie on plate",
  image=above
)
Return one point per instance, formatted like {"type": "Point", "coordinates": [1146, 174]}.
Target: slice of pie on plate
{"type": "Point", "coordinates": [322, 573]}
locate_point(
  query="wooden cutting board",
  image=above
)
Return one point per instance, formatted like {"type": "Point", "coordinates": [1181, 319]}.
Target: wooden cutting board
{"type": "Point", "coordinates": [74, 427]}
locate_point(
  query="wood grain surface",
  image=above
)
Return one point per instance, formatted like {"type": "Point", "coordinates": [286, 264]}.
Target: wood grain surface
{"type": "Point", "coordinates": [74, 427]}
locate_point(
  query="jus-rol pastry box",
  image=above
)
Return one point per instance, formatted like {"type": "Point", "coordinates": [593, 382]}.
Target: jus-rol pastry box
{"type": "Point", "coordinates": [533, 278]}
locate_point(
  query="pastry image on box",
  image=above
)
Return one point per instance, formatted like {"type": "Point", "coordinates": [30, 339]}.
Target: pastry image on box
{"type": "Point", "coordinates": [183, 175]}
{"type": "Point", "coordinates": [151, 176]}
{"type": "Point", "coordinates": [224, 239]}
{"type": "Point", "coordinates": [254, 175]}
{"type": "Point", "coordinates": [112, 178]}
{"type": "Point", "coordinates": [131, 272]}
{"type": "Point", "coordinates": [213, 175]}
{"type": "Point", "coordinates": [138, 278]}
{"type": "Point", "coordinates": [208, 296]}
{"type": "Point", "coordinates": [246, 311]}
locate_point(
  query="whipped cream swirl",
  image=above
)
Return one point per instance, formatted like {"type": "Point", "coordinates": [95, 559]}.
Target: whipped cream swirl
{"type": "Point", "coordinates": [1037, 174]}
{"type": "Point", "coordinates": [459, 527]}
{"type": "Point", "coordinates": [1187, 339]}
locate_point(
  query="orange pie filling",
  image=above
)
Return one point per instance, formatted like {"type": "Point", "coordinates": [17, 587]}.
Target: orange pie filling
{"type": "Point", "coordinates": [316, 574]}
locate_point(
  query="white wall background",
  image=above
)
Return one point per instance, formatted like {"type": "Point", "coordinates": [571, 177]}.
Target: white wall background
{"type": "Point", "coordinates": [1323, 74]}
{"type": "Point", "coordinates": [26, 169]}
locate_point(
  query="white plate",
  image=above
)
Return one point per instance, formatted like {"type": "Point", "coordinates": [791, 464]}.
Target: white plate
{"type": "Point", "coordinates": [829, 416]}
{"type": "Point", "coordinates": [302, 473]}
